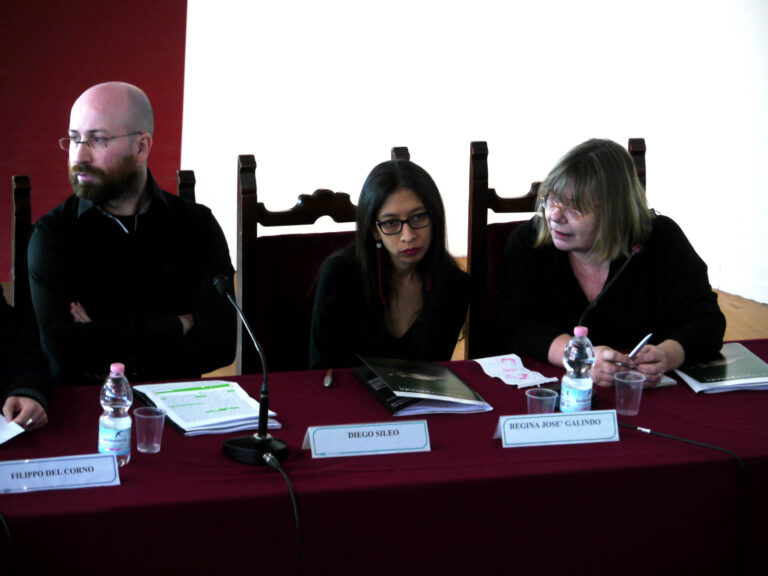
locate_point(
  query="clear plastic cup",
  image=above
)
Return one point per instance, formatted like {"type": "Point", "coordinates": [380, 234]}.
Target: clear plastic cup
{"type": "Point", "coordinates": [541, 400]}
{"type": "Point", "coordinates": [629, 391]}
{"type": "Point", "coordinates": [149, 429]}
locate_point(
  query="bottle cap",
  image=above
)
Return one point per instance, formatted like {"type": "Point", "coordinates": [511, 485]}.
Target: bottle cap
{"type": "Point", "coordinates": [580, 331]}
{"type": "Point", "coordinates": [117, 369]}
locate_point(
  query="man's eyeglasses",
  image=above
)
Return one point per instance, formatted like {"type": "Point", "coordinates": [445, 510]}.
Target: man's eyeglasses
{"type": "Point", "coordinates": [394, 226]}
{"type": "Point", "coordinates": [550, 204]}
{"type": "Point", "coordinates": [94, 142]}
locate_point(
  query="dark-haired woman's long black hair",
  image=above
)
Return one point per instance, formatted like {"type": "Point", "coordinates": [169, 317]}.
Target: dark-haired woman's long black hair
{"type": "Point", "coordinates": [436, 265]}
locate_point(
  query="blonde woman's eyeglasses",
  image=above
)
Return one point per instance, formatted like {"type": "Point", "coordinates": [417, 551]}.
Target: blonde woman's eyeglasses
{"type": "Point", "coordinates": [550, 205]}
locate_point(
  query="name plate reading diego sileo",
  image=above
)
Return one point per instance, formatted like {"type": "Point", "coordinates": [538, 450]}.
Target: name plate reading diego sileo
{"type": "Point", "coordinates": [367, 439]}
{"type": "Point", "coordinates": [557, 428]}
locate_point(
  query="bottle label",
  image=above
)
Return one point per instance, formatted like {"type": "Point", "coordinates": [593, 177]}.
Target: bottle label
{"type": "Point", "coordinates": [117, 442]}
{"type": "Point", "coordinates": [575, 395]}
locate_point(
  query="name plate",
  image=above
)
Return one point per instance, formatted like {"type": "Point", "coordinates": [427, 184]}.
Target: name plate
{"type": "Point", "coordinates": [367, 439]}
{"type": "Point", "coordinates": [557, 428]}
{"type": "Point", "coordinates": [84, 471]}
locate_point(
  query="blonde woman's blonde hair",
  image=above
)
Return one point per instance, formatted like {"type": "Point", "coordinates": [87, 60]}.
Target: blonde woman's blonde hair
{"type": "Point", "coordinates": [599, 177]}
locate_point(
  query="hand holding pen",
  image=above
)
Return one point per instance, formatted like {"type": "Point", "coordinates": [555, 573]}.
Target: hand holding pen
{"type": "Point", "coordinates": [634, 352]}
{"type": "Point", "coordinates": [652, 360]}
{"type": "Point", "coordinates": [649, 359]}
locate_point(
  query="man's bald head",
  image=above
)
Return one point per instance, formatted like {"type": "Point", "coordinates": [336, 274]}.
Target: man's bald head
{"type": "Point", "coordinates": [122, 106]}
{"type": "Point", "coordinates": [111, 128]}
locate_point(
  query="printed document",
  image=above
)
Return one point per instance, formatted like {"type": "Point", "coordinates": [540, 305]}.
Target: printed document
{"type": "Point", "coordinates": [206, 407]}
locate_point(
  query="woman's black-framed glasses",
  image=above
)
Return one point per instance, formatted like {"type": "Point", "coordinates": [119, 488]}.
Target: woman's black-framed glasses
{"type": "Point", "coordinates": [394, 225]}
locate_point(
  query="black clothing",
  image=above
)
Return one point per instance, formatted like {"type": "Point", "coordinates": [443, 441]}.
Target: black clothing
{"type": "Point", "coordinates": [133, 277]}
{"type": "Point", "coordinates": [344, 326]}
{"type": "Point", "coordinates": [23, 367]}
{"type": "Point", "coordinates": [664, 290]}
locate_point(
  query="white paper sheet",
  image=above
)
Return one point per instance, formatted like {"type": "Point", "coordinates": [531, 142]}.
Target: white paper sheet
{"type": "Point", "coordinates": [8, 430]}
{"type": "Point", "coordinates": [509, 368]}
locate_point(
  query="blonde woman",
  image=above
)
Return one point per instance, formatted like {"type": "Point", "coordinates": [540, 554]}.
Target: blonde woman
{"type": "Point", "coordinates": [595, 254]}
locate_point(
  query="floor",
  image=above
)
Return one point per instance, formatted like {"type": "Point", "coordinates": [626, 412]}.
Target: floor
{"type": "Point", "coordinates": [746, 319]}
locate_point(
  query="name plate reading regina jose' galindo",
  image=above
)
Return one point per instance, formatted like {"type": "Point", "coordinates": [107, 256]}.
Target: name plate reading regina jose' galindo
{"type": "Point", "coordinates": [557, 428]}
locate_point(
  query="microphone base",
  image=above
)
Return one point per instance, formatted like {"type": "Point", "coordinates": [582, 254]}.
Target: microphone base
{"type": "Point", "coordinates": [251, 449]}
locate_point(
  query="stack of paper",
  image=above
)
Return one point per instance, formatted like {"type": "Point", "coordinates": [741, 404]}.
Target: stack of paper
{"type": "Point", "coordinates": [206, 407]}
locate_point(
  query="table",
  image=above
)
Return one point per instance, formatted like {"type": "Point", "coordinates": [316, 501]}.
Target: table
{"type": "Point", "coordinates": [643, 505]}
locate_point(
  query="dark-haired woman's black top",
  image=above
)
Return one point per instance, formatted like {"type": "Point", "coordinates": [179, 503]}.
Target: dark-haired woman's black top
{"type": "Point", "coordinates": [664, 290]}
{"type": "Point", "coordinates": [343, 326]}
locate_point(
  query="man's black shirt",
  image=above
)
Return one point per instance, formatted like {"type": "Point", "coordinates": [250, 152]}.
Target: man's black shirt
{"type": "Point", "coordinates": [133, 277]}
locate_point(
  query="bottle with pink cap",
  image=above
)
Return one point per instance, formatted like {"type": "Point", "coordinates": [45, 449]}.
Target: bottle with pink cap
{"type": "Point", "coordinates": [115, 422]}
{"type": "Point", "coordinates": [576, 386]}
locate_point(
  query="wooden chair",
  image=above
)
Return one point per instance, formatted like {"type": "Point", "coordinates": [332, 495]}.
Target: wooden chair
{"type": "Point", "coordinates": [185, 184]}
{"type": "Point", "coordinates": [400, 153]}
{"type": "Point", "coordinates": [20, 296]}
{"type": "Point", "coordinates": [276, 275]}
{"type": "Point", "coordinates": [485, 251]}
{"type": "Point", "coordinates": [636, 148]}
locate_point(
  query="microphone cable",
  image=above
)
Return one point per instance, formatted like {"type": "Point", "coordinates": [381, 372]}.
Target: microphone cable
{"type": "Point", "coordinates": [273, 462]}
{"type": "Point", "coordinates": [11, 559]}
{"type": "Point", "coordinates": [742, 569]}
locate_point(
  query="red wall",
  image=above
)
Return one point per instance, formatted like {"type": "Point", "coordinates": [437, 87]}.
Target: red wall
{"type": "Point", "coordinates": [50, 52]}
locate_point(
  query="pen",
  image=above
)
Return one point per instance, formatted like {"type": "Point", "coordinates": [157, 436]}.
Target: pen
{"type": "Point", "coordinates": [635, 350]}
{"type": "Point", "coordinates": [328, 380]}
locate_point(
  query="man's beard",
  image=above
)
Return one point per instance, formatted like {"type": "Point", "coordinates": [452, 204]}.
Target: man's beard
{"type": "Point", "coordinates": [113, 186]}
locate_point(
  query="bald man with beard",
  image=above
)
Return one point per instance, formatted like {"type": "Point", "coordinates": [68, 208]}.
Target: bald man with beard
{"type": "Point", "coordinates": [122, 271]}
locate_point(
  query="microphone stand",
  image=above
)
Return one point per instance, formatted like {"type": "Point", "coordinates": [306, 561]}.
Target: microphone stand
{"type": "Point", "coordinates": [255, 448]}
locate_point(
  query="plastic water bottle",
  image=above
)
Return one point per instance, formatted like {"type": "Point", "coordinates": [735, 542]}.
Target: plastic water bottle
{"type": "Point", "coordinates": [576, 387]}
{"type": "Point", "coordinates": [115, 422]}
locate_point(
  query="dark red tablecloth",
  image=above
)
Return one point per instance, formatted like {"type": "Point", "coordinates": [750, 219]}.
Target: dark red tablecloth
{"type": "Point", "coordinates": [642, 505]}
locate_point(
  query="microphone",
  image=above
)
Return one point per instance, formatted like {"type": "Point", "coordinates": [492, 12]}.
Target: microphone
{"type": "Point", "coordinates": [636, 249]}
{"type": "Point", "coordinates": [256, 448]}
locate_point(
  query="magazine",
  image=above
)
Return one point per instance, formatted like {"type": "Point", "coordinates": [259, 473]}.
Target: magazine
{"type": "Point", "coordinates": [735, 369]}
{"type": "Point", "coordinates": [409, 387]}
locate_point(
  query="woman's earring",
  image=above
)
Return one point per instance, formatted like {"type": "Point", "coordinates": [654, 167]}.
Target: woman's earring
{"type": "Point", "coordinates": [378, 271]}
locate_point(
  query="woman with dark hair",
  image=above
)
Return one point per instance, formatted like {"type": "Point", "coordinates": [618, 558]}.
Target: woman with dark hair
{"type": "Point", "coordinates": [596, 254]}
{"type": "Point", "coordinates": [396, 292]}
